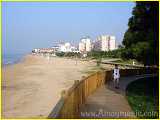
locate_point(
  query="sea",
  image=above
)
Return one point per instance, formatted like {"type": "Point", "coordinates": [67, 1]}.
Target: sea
{"type": "Point", "coordinates": [9, 59]}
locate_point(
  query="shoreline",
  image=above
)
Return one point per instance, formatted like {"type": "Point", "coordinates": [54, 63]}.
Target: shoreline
{"type": "Point", "coordinates": [32, 87]}
{"type": "Point", "coordinates": [13, 62]}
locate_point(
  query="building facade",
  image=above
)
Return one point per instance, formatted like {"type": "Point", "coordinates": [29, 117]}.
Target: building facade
{"type": "Point", "coordinates": [67, 47]}
{"type": "Point", "coordinates": [105, 43]}
{"type": "Point", "coordinates": [82, 47]}
{"type": "Point", "coordinates": [112, 43]}
{"type": "Point", "coordinates": [64, 47]}
{"type": "Point", "coordinates": [43, 50]}
{"type": "Point", "coordinates": [85, 45]}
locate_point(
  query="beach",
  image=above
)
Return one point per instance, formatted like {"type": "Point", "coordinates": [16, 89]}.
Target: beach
{"type": "Point", "coordinates": [32, 87]}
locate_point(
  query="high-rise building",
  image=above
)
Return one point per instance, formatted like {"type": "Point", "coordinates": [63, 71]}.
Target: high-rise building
{"type": "Point", "coordinates": [85, 45]}
{"type": "Point", "coordinates": [65, 47]}
{"type": "Point", "coordinates": [105, 43]}
{"type": "Point", "coordinates": [112, 43]}
{"type": "Point", "coordinates": [81, 46]}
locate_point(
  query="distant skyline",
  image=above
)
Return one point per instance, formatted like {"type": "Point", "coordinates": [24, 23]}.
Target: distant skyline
{"type": "Point", "coordinates": [28, 25]}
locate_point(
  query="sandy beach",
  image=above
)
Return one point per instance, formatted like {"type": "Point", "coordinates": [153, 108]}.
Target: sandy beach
{"type": "Point", "coordinates": [32, 87]}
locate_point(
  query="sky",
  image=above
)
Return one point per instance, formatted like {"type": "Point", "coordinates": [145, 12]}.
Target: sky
{"type": "Point", "coordinates": [29, 25]}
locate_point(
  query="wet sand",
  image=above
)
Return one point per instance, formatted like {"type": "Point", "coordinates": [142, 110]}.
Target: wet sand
{"type": "Point", "coordinates": [31, 88]}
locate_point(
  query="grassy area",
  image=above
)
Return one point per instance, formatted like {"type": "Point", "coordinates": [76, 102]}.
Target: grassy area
{"type": "Point", "coordinates": [143, 97]}
{"type": "Point", "coordinates": [93, 70]}
{"type": "Point", "coordinates": [127, 62]}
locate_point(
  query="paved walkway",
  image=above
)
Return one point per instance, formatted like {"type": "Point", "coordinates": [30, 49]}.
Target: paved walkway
{"type": "Point", "coordinates": [108, 102]}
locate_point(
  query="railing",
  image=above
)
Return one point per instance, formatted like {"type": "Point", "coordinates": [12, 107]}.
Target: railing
{"type": "Point", "coordinates": [129, 65]}
{"type": "Point", "coordinates": [71, 100]}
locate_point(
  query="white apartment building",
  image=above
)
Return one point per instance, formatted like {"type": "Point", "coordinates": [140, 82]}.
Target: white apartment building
{"type": "Point", "coordinates": [85, 45]}
{"type": "Point", "coordinates": [105, 43]}
{"type": "Point", "coordinates": [112, 43]}
{"type": "Point", "coordinates": [66, 47]}
{"type": "Point", "coordinates": [82, 47]}
{"type": "Point", "coordinates": [43, 50]}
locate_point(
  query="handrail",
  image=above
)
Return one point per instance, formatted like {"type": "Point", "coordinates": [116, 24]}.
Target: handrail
{"type": "Point", "coordinates": [122, 64]}
{"type": "Point", "coordinates": [129, 65]}
{"type": "Point", "coordinates": [71, 100]}
{"type": "Point", "coordinates": [55, 112]}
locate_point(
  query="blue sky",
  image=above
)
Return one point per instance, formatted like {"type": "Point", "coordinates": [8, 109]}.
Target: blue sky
{"type": "Point", "coordinates": [28, 25]}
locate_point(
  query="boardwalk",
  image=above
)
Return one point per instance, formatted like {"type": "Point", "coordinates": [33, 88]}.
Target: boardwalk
{"type": "Point", "coordinates": [108, 102]}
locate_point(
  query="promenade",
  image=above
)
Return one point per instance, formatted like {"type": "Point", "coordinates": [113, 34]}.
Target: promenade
{"type": "Point", "coordinates": [108, 102]}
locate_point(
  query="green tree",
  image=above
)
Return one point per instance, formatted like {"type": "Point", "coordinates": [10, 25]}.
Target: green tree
{"type": "Point", "coordinates": [141, 38]}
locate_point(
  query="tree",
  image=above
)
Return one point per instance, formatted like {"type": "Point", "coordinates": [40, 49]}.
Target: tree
{"type": "Point", "coordinates": [141, 38]}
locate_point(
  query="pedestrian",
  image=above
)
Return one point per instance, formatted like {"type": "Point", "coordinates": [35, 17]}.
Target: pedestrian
{"type": "Point", "coordinates": [116, 76]}
{"type": "Point", "coordinates": [133, 62]}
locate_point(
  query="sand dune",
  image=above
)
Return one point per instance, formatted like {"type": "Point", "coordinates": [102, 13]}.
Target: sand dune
{"type": "Point", "coordinates": [31, 88]}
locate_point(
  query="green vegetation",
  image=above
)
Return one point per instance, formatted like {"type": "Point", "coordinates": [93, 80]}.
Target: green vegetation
{"type": "Point", "coordinates": [141, 38]}
{"type": "Point", "coordinates": [130, 61]}
{"type": "Point", "coordinates": [60, 54]}
{"type": "Point", "coordinates": [93, 70]}
{"type": "Point", "coordinates": [140, 41]}
{"type": "Point", "coordinates": [142, 95]}
{"type": "Point", "coordinates": [99, 55]}
{"type": "Point", "coordinates": [105, 54]}
{"type": "Point", "coordinates": [94, 54]}
{"type": "Point", "coordinates": [68, 54]}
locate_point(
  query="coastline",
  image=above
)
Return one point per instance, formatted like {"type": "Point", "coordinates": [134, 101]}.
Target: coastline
{"type": "Point", "coordinates": [13, 61]}
{"type": "Point", "coordinates": [32, 87]}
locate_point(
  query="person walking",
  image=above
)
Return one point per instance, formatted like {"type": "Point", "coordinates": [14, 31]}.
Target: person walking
{"type": "Point", "coordinates": [116, 76]}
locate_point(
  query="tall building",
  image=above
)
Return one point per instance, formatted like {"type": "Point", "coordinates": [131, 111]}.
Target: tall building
{"type": "Point", "coordinates": [65, 47]}
{"type": "Point", "coordinates": [85, 45]}
{"type": "Point", "coordinates": [112, 43]}
{"type": "Point", "coordinates": [105, 43]}
{"type": "Point", "coordinates": [81, 46]}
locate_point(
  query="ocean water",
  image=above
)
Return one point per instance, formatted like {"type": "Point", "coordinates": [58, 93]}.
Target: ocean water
{"type": "Point", "coordinates": [8, 59]}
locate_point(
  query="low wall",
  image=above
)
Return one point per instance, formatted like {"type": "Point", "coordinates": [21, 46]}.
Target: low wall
{"type": "Point", "coordinates": [71, 100]}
